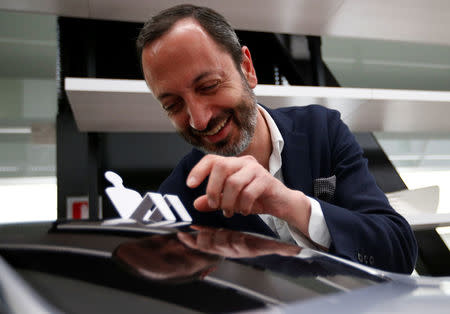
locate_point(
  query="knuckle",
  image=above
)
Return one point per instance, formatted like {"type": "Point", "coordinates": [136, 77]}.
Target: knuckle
{"type": "Point", "coordinates": [248, 196]}
{"type": "Point", "coordinates": [211, 159]}
{"type": "Point", "coordinates": [212, 192]}
{"type": "Point", "coordinates": [249, 158]}
{"type": "Point", "coordinates": [221, 164]}
{"type": "Point", "coordinates": [210, 156]}
{"type": "Point", "coordinates": [256, 167]}
{"type": "Point", "coordinates": [233, 182]}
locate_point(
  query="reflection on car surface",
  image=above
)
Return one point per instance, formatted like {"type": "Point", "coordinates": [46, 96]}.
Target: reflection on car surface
{"type": "Point", "coordinates": [83, 267]}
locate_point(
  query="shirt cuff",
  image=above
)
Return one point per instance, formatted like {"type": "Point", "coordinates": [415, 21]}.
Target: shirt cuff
{"type": "Point", "coordinates": [317, 228]}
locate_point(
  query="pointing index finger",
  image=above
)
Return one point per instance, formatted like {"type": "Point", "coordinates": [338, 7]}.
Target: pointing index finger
{"type": "Point", "coordinates": [200, 171]}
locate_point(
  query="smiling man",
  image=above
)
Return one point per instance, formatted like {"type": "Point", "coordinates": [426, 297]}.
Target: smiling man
{"type": "Point", "coordinates": [294, 173]}
{"type": "Point", "coordinates": [220, 116]}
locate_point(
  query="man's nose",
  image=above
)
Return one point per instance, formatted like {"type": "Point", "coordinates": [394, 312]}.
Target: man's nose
{"type": "Point", "coordinates": [199, 112]}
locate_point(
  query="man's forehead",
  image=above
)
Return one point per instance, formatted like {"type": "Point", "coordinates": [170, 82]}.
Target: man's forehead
{"type": "Point", "coordinates": [184, 31]}
{"type": "Point", "coordinates": [183, 54]}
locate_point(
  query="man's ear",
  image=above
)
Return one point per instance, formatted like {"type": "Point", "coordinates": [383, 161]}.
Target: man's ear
{"type": "Point", "coordinates": [247, 67]}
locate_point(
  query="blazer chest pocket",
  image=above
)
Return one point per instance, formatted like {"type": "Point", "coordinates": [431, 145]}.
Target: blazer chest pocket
{"type": "Point", "coordinates": [324, 188]}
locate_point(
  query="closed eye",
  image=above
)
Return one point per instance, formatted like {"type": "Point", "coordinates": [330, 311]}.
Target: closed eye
{"type": "Point", "coordinates": [209, 86]}
{"type": "Point", "coordinates": [172, 106]}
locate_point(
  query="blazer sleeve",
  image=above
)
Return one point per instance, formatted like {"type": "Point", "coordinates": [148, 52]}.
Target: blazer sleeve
{"type": "Point", "coordinates": [362, 224]}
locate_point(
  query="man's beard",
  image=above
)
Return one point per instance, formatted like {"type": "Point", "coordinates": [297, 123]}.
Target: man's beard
{"type": "Point", "coordinates": [244, 116]}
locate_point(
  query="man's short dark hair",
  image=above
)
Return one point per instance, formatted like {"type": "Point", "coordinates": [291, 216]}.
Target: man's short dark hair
{"type": "Point", "coordinates": [214, 24]}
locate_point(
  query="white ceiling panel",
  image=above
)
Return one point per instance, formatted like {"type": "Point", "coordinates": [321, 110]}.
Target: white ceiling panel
{"type": "Point", "coordinates": [77, 8]}
{"type": "Point", "coordinates": [405, 20]}
{"type": "Point", "coordinates": [288, 16]}
{"type": "Point", "coordinates": [283, 16]}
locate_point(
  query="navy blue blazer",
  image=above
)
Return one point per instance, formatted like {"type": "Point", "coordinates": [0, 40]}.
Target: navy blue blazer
{"type": "Point", "coordinates": [317, 144]}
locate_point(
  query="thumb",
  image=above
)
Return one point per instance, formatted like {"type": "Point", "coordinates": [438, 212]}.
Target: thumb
{"type": "Point", "coordinates": [201, 204]}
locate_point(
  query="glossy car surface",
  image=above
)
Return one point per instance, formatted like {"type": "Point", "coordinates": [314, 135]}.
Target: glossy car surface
{"type": "Point", "coordinates": [90, 267]}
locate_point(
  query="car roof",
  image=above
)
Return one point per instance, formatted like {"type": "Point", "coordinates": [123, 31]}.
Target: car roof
{"type": "Point", "coordinates": [45, 253]}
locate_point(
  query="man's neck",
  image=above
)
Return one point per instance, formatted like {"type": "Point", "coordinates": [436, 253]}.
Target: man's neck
{"type": "Point", "coordinates": [261, 145]}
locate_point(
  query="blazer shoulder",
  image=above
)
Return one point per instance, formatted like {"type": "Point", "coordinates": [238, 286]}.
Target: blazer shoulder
{"type": "Point", "coordinates": [311, 118]}
{"type": "Point", "coordinates": [305, 112]}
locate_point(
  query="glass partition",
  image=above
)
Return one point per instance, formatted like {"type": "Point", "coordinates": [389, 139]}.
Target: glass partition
{"type": "Point", "coordinates": [28, 106]}
{"type": "Point", "coordinates": [421, 159]}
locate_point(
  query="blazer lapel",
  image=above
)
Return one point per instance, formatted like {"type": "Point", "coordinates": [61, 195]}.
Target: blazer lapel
{"type": "Point", "coordinates": [296, 165]}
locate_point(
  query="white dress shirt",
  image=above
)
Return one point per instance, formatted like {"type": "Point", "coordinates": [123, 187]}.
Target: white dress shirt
{"type": "Point", "coordinates": [317, 228]}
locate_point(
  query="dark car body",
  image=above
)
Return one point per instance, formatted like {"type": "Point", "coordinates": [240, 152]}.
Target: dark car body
{"type": "Point", "coordinates": [90, 267]}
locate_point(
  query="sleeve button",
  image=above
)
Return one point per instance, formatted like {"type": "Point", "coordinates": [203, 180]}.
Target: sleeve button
{"type": "Point", "coordinates": [360, 258]}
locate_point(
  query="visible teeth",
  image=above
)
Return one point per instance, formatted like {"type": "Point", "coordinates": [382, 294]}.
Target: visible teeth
{"type": "Point", "coordinates": [217, 129]}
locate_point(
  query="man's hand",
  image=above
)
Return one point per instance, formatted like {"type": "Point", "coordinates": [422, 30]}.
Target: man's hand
{"type": "Point", "coordinates": [242, 185]}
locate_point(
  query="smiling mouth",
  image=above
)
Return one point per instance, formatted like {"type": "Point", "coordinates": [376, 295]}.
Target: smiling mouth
{"type": "Point", "coordinates": [213, 131]}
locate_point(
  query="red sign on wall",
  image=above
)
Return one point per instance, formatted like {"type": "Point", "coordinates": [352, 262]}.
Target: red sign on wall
{"type": "Point", "coordinates": [78, 207]}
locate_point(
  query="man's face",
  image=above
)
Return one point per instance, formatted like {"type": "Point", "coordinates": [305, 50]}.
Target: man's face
{"type": "Point", "coordinates": [209, 101]}
{"type": "Point", "coordinates": [163, 257]}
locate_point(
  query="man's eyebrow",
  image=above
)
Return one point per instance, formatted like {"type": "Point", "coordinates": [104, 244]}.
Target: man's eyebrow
{"type": "Point", "coordinates": [201, 76]}
{"type": "Point", "coordinates": [164, 95]}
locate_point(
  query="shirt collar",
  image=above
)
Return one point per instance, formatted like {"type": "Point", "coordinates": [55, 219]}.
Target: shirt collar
{"type": "Point", "coordinates": [277, 143]}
